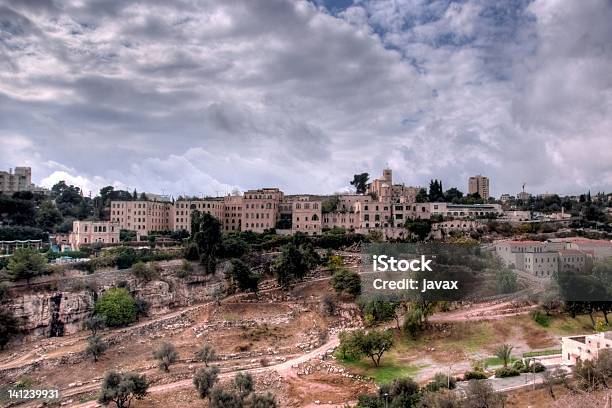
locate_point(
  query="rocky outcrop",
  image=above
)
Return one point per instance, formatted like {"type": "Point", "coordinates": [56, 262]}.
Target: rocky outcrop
{"type": "Point", "coordinates": [63, 310]}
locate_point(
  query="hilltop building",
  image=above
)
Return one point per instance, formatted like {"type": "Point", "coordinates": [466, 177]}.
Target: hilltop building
{"type": "Point", "coordinates": [19, 180]}
{"type": "Point", "coordinates": [479, 184]}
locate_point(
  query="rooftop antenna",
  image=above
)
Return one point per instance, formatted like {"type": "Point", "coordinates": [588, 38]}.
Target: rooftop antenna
{"type": "Point", "coordinates": [524, 186]}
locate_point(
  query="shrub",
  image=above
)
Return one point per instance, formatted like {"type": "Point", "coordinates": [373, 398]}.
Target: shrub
{"type": "Point", "coordinates": [519, 365]}
{"type": "Point", "coordinates": [166, 355]}
{"type": "Point", "coordinates": [117, 307]}
{"type": "Point", "coordinates": [540, 318]}
{"type": "Point", "coordinates": [206, 354]}
{"type": "Point", "coordinates": [121, 388]}
{"type": "Point", "coordinates": [345, 281]}
{"type": "Point", "coordinates": [474, 375]}
{"type": "Point", "coordinates": [204, 380]}
{"type": "Point", "coordinates": [440, 381]}
{"type": "Point", "coordinates": [506, 372]}
{"type": "Point", "coordinates": [94, 324]}
{"type": "Point", "coordinates": [96, 347]}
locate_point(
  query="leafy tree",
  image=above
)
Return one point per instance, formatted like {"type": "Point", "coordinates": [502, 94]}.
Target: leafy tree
{"type": "Point", "coordinates": [233, 246]}
{"type": "Point", "coordinates": [224, 398]}
{"type": "Point", "coordinates": [142, 307]}
{"type": "Point", "coordinates": [360, 182]}
{"type": "Point", "coordinates": [266, 400]}
{"type": "Point", "coordinates": [94, 324]}
{"type": "Point", "coordinates": [421, 196]}
{"type": "Point", "coordinates": [206, 354]}
{"type": "Point", "coordinates": [506, 280]}
{"type": "Point", "coordinates": [166, 355]}
{"type": "Point", "coordinates": [334, 263]}
{"type": "Point", "coordinates": [243, 383]}
{"type": "Point", "coordinates": [379, 310]}
{"type": "Point", "coordinates": [413, 322]}
{"type": "Point", "coordinates": [436, 193]}
{"type": "Point", "coordinates": [96, 347]}
{"type": "Point", "coordinates": [453, 195]}
{"type": "Point", "coordinates": [345, 281]}
{"type": "Point", "coordinates": [145, 273]}
{"type": "Point", "coordinates": [290, 265]}
{"type": "Point", "coordinates": [15, 211]}
{"type": "Point", "coordinates": [480, 394]}
{"type": "Point", "coordinates": [26, 263]}
{"type": "Point", "coordinates": [121, 388]}
{"type": "Point", "coordinates": [206, 233]}
{"type": "Point", "coordinates": [242, 275]}
{"type": "Point", "coordinates": [116, 306]}
{"type": "Point", "coordinates": [420, 228]}
{"type": "Point", "coordinates": [204, 380]}
{"type": "Point", "coordinates": [371, 344]}
{"type": "Point", "coordinates": [8, 326]}
{"type": "Point", "coordinates": [48, 216]}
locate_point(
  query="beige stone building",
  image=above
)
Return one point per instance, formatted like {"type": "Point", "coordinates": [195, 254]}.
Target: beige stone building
{"type": "Point", "coordinates": [91, 232]}
{"type": "Point", "coordinates": [180, 212]}
{"type": "Point", "coordinates": [142, 216]}
{"type": "Point", "coordinates": [232, 216]}
{"type": "Point", "coordinates": [18, 180]}
{"type": "Point", "coordinates": [306, 216]}
{"type": "Point", "coordinates": [261, 209]}
{"type": "Point", "coordinates": [587, 347]}
{"type": "Point", "coordinates": [479, 184]}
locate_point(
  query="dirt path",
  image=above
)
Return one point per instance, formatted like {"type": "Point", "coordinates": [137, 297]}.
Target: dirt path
{"type": "Point", "coordinates": [484, 311]}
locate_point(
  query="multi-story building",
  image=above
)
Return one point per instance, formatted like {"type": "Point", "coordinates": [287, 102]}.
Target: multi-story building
{"type": "Point", "coordinates": [18, 180]}
{"type": "Point", "coordinates": [180, 212]}
{"type": "Point", "coordinates": [91, 232]}
{"type": "Point", "coordinates": [541, 264]}
{"type": "Point", "coordinates": [142, 216]}
{"type": "Point", "coordinates": [504, 198]}
{"type": "Point", "coordinates": [479, 184]}
{"type": "Point", "coordinates": [523, 196]}
{"type": "Point", "coordinates": [306, 216]}
{"type": "Point", "coordinates": [384, 189]}
{"type": "Point", "coordinates": [232, 212]}
{"type": "Point", "coordinates": [261, 209]}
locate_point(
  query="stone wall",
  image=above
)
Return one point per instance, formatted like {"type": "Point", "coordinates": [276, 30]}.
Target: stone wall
{"type": "Point", "coordinates": [62, 307]}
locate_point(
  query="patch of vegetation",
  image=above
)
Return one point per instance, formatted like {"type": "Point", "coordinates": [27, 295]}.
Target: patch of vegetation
{"type": "Point", "coordinates": [117, 307]}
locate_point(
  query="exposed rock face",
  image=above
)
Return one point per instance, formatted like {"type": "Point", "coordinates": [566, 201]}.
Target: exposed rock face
{"type": "Point", "coordinates": [51, 313]}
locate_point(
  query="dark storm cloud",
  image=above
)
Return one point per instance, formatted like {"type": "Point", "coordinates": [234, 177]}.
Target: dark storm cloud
{"type": "Point", "coordinates": [204, 96]}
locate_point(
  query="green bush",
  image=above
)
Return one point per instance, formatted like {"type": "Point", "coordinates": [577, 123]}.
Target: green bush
{"type": "Point", "coordinates": [117, 307]}
{"type": "Point", "coordinates": [518, 365]}
{"type": "Point", "coordinates": [506, 372]}
{"type": "Point", "coordinates": [474, 375]}
{"type": "Point", "coordinates": [540, 318]}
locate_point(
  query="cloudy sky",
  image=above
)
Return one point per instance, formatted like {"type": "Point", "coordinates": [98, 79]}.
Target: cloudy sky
{"type": "Point", "coordinates": [202, 96]}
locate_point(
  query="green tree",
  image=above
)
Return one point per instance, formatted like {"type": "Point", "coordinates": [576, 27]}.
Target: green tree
{"type": "Point", "coordinates": [146, 273]}
{"type": "Point", "coordinates": [206, 354]}
{"type": "Point", "coordinates": [420, 228]}
{"type": "Point", "coordinates": [204, 380]}
{"type": "Point", "coordinates": [48, 216]}
{"type": "Point", "coordinates": [373, 344]}
{"type": "Point", "coordinates": [506, 280]}
{"type": "Point", "coordinates": [206, 233]}
{"type": "Point", "coordinates": [116, 306]}
{"type": "Point", "coordinates": [290, 265]}
{"type": "Point", "coordinates": [96, 347]}
{"type": "Point", "coordinates": [435, 191]}
{"type": "Point", "coordinates": [224, 398]}
{"type": "Point", "coordinates": [245, 279]}
{"type": "Point", "coordinates": [480, 394]}
{"type": "Point", "coordinates": [166, 355]}
{"type": "Point", "coordinates": [266, 400]}
{"type": "Point", "coordinates": [453, 195]}
{"type": "Point", "coordinates": [345, 281]}
{"type": "Point", "coordinates": [243, 383]}
{"type": "Point", "coordinates": [360, 182]}
{"type": "Point", "coordinates": [94, 324]}
{"type": "Point", "coordinates": [504, 353]}
{"type": "Point", "coordinates": [421, 196]}
{"type": "Point", "coordinates": [121, 388]}
{"type": "Point", "coordinates": [26, 263]}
